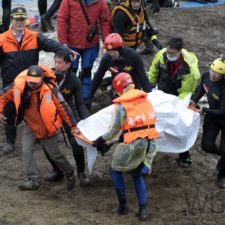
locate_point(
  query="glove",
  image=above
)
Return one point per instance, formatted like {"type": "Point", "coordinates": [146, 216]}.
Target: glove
{"type": "Point", "coordinates": [99, 143]}
{"type": "Point", "coordinates": [157, 44]}
{"type": "Point", "coordinates": [155, 6]}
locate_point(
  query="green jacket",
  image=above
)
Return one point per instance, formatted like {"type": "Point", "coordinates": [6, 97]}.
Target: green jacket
{"type": "Point", "coordinates": [183, 83]}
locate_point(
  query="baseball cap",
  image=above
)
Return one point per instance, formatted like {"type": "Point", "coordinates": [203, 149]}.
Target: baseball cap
{"type": "Point", "coordinates": [34, 74]}
{"type": "Point", "coordinates": [19, 12]}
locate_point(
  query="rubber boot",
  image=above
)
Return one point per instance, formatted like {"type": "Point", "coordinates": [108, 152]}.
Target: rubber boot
{"type": "Point", "coordinates": [46, 18]}
{"type": "Point", "coordinates": [142, 214]}
{"type": "Point", "coordinates": [10, 132]}
{"type": "Point", "coordinates": [184, 159]}
{"type": "Point", "coordinates": [70, 181]}
{"type": "Point", "coordinates": [122, 209]}
{"type": "Point", "coordinates": [78, 154]}
{"type": "Point", "coordinates": [55, 174]}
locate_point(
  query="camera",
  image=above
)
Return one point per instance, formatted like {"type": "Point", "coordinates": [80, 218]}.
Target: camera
{"type": "Point", "coordinates": [92, 32]}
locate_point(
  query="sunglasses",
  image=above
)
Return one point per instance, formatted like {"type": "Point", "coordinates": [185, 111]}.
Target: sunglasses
{"type": "Point", "coordinates": [20, 19]}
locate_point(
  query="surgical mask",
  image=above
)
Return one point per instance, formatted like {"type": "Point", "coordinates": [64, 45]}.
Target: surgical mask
{"type": "Point", "coordinates": [171, 59]}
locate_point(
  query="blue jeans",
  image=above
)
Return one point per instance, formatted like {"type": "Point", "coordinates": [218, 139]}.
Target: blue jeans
{"type": "Point", "coordinates": [139, 183]}
{"type": "Point", "coordinates": [88, 57]}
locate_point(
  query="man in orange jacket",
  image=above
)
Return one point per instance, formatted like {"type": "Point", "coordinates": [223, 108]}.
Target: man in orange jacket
{"type": "Point", "coordinates": [135, 116]}
{"type": "Point", "coordinates": [43, 108]}
{"type": "Point", "coordinates": [19, 49]}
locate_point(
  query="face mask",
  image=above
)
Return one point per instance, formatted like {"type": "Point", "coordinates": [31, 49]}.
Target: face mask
{"type": "Point", "coordinates": [171, 59]}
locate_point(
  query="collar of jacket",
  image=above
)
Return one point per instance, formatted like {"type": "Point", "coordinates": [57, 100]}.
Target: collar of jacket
{"type": "Point", "coordinates": [89, 2]}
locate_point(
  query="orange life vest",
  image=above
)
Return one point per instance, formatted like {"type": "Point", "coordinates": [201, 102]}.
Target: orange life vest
{"type": "Point", "coordinates": [134, 36]}
{"type": "Point", "coordinates": [48, 112]}
{"type": "Point", "coordinates": [140, 121]}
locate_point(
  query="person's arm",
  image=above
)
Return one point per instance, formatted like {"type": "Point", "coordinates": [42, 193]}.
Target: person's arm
{"type": "Point", "coordinates": [188, 85]}
{"type": "Point", "coordinates": [117, 122]}
{"type": "Point", "coordinates": [104, 19]}
{"type": "Point", "coordinates": [49, 45]}
{"type": "Point", "coordinates": [199, 92]}
{"type": "Point", "coordinates": [154, 69]}
{"type": "Point", "coordinates": [5, 98]}
{"type": "Point", "coordinates": [79, 101]}
{"type": "Point", "coordinates": [141, 73]}
{"type": "Point", "coordinates": [98, 76]}
{"type": "Point", "coordinates": [63, 22]}
{"type": "Point", "coordinates": [63, 108]}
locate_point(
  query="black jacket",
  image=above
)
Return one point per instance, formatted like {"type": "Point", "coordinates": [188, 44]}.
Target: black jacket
{"type": "Point", "coordinates": [16, 57]}
{"type": "Point", "coordinates": [215, 92]}
{"type": "Point", "coordinates": [130, 62]}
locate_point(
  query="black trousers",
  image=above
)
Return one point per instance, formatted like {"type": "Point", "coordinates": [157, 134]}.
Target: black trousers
{"type": "Point", "coordinates": [212, 127]}
{"type": "Point", "coordinates": [6, 7]}
{"type": "Point", "coordinates": [42, 6]}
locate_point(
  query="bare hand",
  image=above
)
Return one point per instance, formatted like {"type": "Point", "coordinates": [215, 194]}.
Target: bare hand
{"type": "Point", "coordinates": [75, 130]}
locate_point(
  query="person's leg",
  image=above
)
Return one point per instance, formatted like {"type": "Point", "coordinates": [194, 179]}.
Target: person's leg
{"type": "Point", "coordinates": [46, 18]}
{"type": "Point", "coordinates": [221, 175]}
{"type": "Point", "coordinates": [10, 128]}
{"type": "Point", "coordinates": [75, 64]}
{"type": "Point", "coordinates": [118, 184]}
{"type": "Point", "coordinates": [88, 57]}
{"type": "Point", "coordinates": [141, 191]}
{"type": "Point", "coordinates": [29, 163]}
{"type": "Point", "coordinates": [6, 8]}
{"type": "Point", "coordinates": [42, 7]}
{"type": "Point", "coordinates": [55, 174]}
{"type": "Point", "coordinates": [60, 160]}
{"type": "Point", "coordinates": [210, 133]}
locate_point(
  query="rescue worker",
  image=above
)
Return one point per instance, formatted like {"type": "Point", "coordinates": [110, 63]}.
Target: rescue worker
{"type": "Point", "coordinates": [135, 116]}
{"type": "Point", "coordinates": [130, 20]}
{"type": "Point", "coordinates": [175, 71]}
{"type": "Point", "coordinates": [19, 49]}
{"type": "Point", "coordinates": [71, 88]}
{"type": "Point", "coordinates": [213, 85]}
{"type": "Point", "coordinates": [78, 25]}
{"type": "Point", "coordinates": [33, 97]}
{"type": "Point", "coordinates": [120, 59]}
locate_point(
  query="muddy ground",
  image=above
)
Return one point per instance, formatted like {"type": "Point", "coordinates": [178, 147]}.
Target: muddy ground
{"type": "Point", "coordinates": [175, 196]}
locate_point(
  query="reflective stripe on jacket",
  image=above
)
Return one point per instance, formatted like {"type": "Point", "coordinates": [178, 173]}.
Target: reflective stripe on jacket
{"type": "Point", "coordinates": [140, 122]}
{"type": "Point", "coordinates": [47, 109]}
{"type": "Point", "coordinates": [135, 34]}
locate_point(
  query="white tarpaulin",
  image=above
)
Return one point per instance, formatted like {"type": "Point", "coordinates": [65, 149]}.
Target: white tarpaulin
{"type": "Point", "coordinates": [178, 125]}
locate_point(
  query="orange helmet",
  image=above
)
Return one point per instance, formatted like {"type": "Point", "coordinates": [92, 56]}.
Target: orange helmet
{"type": "Point", "coordinates": [113, 41]}
{"type": "Point", "coordinates": [121, 81]}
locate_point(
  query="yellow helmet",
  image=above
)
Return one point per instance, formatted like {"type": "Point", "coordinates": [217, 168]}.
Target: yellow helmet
{"type": "Point", "coordinates": [218, 66]}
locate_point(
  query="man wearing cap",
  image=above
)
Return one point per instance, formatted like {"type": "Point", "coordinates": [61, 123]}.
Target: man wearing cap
{"type": "Point", "coordinates": [34, 97]}
{"type": "Point", "coordinates": [119, 59]}
{"type": "Point", "coordinates": [19, 49]}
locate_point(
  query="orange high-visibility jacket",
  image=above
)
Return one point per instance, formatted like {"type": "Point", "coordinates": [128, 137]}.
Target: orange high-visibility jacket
{"type": "Point", "coordinates": [140, 121]}
{"type": "Point", "coordinates": [43, 116]}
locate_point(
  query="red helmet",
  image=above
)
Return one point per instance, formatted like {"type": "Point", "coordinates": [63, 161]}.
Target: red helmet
{"type": "Point", "coordinates": [113, 41]}
{"type": "Point", "coordinates": [121, 81]}
{"type": "Point", "coordinates": [31, 22]}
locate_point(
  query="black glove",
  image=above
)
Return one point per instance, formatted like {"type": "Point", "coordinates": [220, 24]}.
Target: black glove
{"type": "Point", "coordinates": [155, 6]}
{"type": "Point", "coordinates": [99, 143]}
{"type": "Point", "coordinates": [157, 44]}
